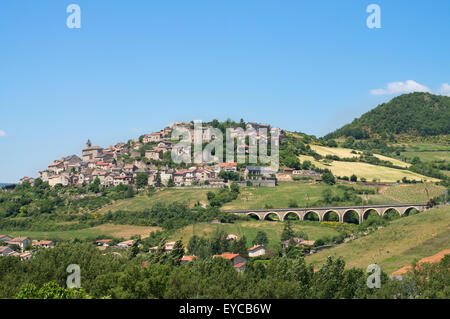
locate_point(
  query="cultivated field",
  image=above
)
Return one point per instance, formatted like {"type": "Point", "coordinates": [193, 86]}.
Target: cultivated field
{"type": "Point", "coordinates": [400, 243]}
{"type": "Point", "coordinates": [250, 228]}
{"type": "Point", "coordinates": [409, 193]}
{"type": "Point", "coordinates": [368, 171]}
{"type": "Point", "coordinates": [108, 230]}
{"type": "Point", "coordinates": [427, 152]}
{"type": "Point", "coordinates": [346, 152]}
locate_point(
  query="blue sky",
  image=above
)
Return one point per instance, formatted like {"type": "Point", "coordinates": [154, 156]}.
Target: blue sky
{"type": "Point", "coordinates": [135, 66]}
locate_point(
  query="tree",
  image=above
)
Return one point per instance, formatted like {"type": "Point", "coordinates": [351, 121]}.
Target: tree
{"type": "Point", "coordinates": [234, 188]}
{"type": "Point", "coordinates": [306, 165]}
{"type": "Point", "coordinates": [177, 252]}
{"type": "Point", "coordinates": [170, 183]}
{"type": "Point", "coordinates": [135, 248]}
{"type": "Point", "coordinates": [327, 195]}
{"type": "Point", "coordinates": [288, 232]}
{"type": "Point", "coordinates": [95, 186]}
{"type": "Point", "coordinates": [240, 247]}
{"type": "Point", "coordinates": [328, 178]}
{"type": "Point", "coordinates": [141, 180]}
{"type": "Point", "coordinates": [158, 179]}
{"type": "Point", "coordinates": [261, 238]}
{"type": "Point", "coordinates": [353, 178]}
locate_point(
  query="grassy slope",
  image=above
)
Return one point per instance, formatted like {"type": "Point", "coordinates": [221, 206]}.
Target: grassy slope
{"type": "Point", "coordinates": [412, 192]}
{"type": "Point", "coordinates": [427, 151]}
{"type": "Point", "coordinates": [346, 152]}
{"type": "Point", "coordinates": [250, 229]}
{"type": "Point", "coordinates": [279, 197]}
{"type": "Point", "coordinates": [399, 244]}
{"type": "Point", "coordinates": [369, 171]}
{"type": "Point", "coordinates": [108, 230]}
{"type": "Point", "coordinates": [191, 196]}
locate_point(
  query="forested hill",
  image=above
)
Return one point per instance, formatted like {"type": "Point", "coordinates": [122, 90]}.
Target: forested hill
{"type": "Point", "coordinates": [416, 114]}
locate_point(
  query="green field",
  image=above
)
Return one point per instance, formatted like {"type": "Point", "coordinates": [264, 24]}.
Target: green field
{"type": "Point", "coordinates": [346, 152]}
{"type": "Point", "coordinates": [368, 171]}
{"type": "Point", "coordinates": [140, 202]}
{"type": "Point", "coordinates": [279, 197]}
{"type": "Point", "coordinates": [108, 230]}
{"type": "Point", "coordinates": [428, 156]}
{"type": "Point", "coordinates": [412, 193]}
{"type": "Point", "coordinates": [399, 244]}
{"type": "Point", "coordinates": [250, 228]}
{"type": "Point", "coordinates": [422, 147]}
{"type": "Point", "coordinates": [427, 152]}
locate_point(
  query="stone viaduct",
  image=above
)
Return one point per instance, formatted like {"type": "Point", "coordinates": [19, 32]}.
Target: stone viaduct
{"type": "Point", "coordinates": [323, 212]}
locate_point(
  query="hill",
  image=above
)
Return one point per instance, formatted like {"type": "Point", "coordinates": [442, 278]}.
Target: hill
{"type": "Point", "coordinates": [398, 244]}
{"type": "Point", "coordinates": [416, 114]}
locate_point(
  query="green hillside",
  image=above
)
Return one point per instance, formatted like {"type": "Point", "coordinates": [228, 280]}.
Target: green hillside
{"type": "Point", "coordinates": [416, 114]}
{"type": "Point", "coordinates": [398, 244]}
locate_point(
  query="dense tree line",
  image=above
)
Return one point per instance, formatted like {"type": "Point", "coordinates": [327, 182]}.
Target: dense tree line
{"type": "Point", "coordinates": [154, 276]}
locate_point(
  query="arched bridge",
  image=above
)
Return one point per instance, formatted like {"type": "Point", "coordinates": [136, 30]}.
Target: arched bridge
{"type": "Point", "coordinates": [323, 212]}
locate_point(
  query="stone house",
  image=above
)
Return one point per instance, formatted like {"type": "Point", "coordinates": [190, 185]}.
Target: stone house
{"type": "Point", "coordinates": [21, 242]}
{"type": "Point", "coordinates": [44, 175]}
{"type": "Point", "coordinates": [154, 137]}
{"type": "Point", "coordinates": [257, 250]}
{"type": "Point", "coordinates": [125, 244]}
{"type": "Point", "coordinates": [25, 256]}
{"type": "Point", "coordinates": [230, 167]}
{"type": "Point", "coordinates": [44, 244]}
{"type": "Point", "coordinates": [5, 238]}
{"type": "Point", "coordinates": [234, 258]}
{"type": "Point", "coordinates": [120, 179]}
{"type": "Point", "coordinates": [129, 168]}
{"type": "Point", "coordinates": [5, 250]}
{"type": "Point", "coordinates": [90, 152]}
{"type": "Point", "coordinates": [56, 167]}
{"type": "Point", "coordinates": [154, 154]}
{"type": "Point", "coordinates": [62, 179]}
{"type": "Point", "coordinates": [27, 179]}
{"type": "Point", "coordinates": [186, 259]}
{"type": "Point", "coordinates": [70, 160]}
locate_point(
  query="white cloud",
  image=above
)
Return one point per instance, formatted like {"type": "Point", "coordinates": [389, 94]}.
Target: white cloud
{"type": "Point", "coordinates": [2, 133]}
{"type": "Point", "coordinates": [445, 89]}
{"type": "Point", "coordinates": [400, 88]}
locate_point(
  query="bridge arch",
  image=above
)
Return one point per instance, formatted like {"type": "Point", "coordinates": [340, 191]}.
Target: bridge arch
{"type": "Point", "coordinates": [253, 215]}
{"type": "Point", "coordinates": [408, 210]}
{"type": "Point", "coordinates": [272, 213]}
{"type": "Point", "coordinates": [369, 212]}
{"type": "Point", "coordinates": [292, 213]}
{"type": "Point", "coordinates": [351, 216]}
{"type": "Point", "coordinates": [331, 215]}
{"type": "Point", "coordinates": [391, 213]}
{"type": "Point", "coordinates": [312, 215]}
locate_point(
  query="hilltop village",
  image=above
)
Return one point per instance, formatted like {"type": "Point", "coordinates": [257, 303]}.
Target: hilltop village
{"type": "Point", "coordinates": [150, 157]}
